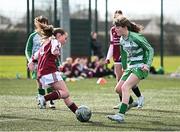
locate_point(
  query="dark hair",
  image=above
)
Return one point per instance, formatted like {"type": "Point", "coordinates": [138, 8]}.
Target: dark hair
{"type": "Point", "coordinates": [41, 19]}
{"type": "Point", "coordinates": [59, 30]}
{"type": "Point", "coordinates": [124, 22]}
{"type": "Point", "coordinates": [45, 30]}
{"type": "Point", "coordinates": [118, 11]}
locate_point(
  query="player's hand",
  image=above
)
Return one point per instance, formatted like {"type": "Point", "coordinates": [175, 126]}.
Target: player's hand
{"type": "Point", "coordinates": [145, 67]}
{"type": "Point", "coordinates": [123, 70]}
{"type": "Point", "coordinates": [31, 66]}
{"type": "Point", "coordinates": [60, 68]}
{"type": "Point", "coordinates": [107, 61]}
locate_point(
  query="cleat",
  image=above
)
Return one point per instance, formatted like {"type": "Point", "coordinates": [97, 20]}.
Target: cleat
{"type": "Point", "coordinates": [140, 102]}
{"type": "Point", "coordinates": [134, 104]}
{"type": "Point", "coordinates": [117, 106]}
{"type": "Point", "coordinates": [117, 117]}
{"type": "Point", "coordinates": [51, 104]}
{"type": "Point", "coordinates": [42, 102]}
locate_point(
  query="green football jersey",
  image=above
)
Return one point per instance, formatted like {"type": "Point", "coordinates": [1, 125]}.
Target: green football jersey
{"type": "Point", "coordinates": [135, 51]}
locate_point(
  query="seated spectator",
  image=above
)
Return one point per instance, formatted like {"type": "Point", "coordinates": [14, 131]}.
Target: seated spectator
{"type": "Point", "coordinates": [100, 69]}
{"type": "Point", "coordinates": [87, 72]}
{"type": "Point", "coordinates": [92, 64]}
{"type": "Point", "coordinates": [76, 68]}
{"type": "Point", "coordinates": [67, 67]}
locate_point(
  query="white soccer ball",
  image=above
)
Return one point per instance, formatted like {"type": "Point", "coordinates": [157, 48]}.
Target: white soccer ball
{"type": "Point", "coordinates": [83, 113]}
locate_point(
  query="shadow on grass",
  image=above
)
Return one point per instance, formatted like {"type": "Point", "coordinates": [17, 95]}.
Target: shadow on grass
{"type": "Point", "coordinates": [164, 111]}
{"type": "Point", "coordinates": [25, 118]}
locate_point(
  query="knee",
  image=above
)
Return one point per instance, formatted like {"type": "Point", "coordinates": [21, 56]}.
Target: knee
{"type": "Point", "coordinates": [118, 90]}
{"type": "Point", "coordinates": [66, 95]}
{"type": "Point", "coordinates": [125, 88]}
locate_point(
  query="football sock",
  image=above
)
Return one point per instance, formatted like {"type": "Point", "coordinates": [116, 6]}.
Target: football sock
{"type": "Point", "coordinates": [49, 90]}
{"type": "Point", "coordinates": [120, 98]}
{"type": "Point", "coordinates": [136, 91]}
{"type": "Point", "coordinates": [130, 100]}
{"type": "Point", "coordinates": [123, 108]}
{"type": "Point", "coordinates": [53, 96]}
{"type": "Point", "coordinates": [73, 107]}
{"type": "Point", "coordinates": [41, 91]}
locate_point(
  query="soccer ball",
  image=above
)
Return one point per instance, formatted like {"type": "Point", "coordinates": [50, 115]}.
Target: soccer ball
{"type": "Point", "coordinates": [83, 113]}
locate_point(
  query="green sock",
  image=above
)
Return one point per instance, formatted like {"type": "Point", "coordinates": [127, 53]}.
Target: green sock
{"type": "Point", "coordinates": [49, 90]}
{"type": "Point", "coordinates": [123, 108]}
{"type": "Point", "coordinates": [41, 91]}
{"type": "Point", "coordinates": [130, 100]}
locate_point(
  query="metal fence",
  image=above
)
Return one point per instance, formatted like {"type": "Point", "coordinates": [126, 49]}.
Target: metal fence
{"type": "Point", "coordinates": [14, 29]}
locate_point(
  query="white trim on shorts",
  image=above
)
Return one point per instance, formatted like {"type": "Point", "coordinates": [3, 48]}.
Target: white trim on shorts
{"type": "Point", "coordinates": [120, 63]}
{"type": "Point", "coordinates": [48, 79]}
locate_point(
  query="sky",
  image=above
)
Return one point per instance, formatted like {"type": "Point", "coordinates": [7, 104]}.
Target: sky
{"type": "Point", "coordinates": [135, 9]}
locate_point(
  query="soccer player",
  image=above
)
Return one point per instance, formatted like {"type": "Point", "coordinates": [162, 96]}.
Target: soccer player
{"type": "Point", "coordinates": [136, 55]}
{"type": "Point", "coordinates": [32, 46]}
{"type": "Point", "coordinates": [114, 51]}
{"type": "Point", "coordinates": [48, 73]}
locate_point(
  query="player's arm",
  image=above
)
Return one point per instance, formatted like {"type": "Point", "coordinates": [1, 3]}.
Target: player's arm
{"type": "Point", "coordinates": [32, 60]}
{"type": "Point", "coordinates": [55, 49]}
{"type": "Point", "coordinates": [110, 50]}
{"type": "Point", "coordinates": [147, 47]}
{"type": "Point", "coordinates": [29, 46]}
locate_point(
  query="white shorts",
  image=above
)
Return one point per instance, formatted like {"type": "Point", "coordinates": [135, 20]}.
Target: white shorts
{"type": "Point", "coordinates": [120, 63]}
{"type": "Point", "coordinates": [48, 79]}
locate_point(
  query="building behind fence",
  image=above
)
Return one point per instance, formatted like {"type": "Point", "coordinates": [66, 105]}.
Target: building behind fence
{"type": "Point", "coordinates": [13, 30]}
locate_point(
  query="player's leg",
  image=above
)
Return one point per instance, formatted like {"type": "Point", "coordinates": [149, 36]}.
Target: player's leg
{"type": "Point", "coordinates": [58, 93]}
{"type": "Point", "coordinates": [70, 104]}
{"type": "Point", "coordinates": [140, 100]}
{"type": "Point", "coordinates": [41, 91]}
{"type": "Point", "coordinates": [118, 72]}
{"type": "Point", "coordinates": [38, 84]}
{"type": "Point", "coordinates": [60, 90]}
{"type": "Point", "coordinates": [131, 101]}
{"type": "Point", "coordinates": [131, 81]}
{"type": "Point", "coordinates": [61, 87]}
{"type": "Point", "coordinates": [51, 102]}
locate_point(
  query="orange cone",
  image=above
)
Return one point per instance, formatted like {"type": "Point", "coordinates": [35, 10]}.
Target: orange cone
{"type": "Point", "coordinates": [101, 81]}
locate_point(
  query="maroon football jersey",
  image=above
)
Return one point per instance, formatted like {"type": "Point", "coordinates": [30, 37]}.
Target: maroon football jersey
{"type": "Point", "coordinates": [46, 60]}
{"type": "Point", "coordinates": [115, 41]}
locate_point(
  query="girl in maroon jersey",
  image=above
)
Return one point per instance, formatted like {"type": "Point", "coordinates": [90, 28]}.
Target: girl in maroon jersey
{"type": "Point", "coordinates": [48, 73]}
{"type": "Point", "coordinates": [114, 51]}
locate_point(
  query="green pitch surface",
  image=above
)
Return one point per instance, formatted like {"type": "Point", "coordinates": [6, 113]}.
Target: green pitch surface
{"type": "Point", "coordinates": [15, 66]}
{"type": "Point", "coordinates": [19, 111]}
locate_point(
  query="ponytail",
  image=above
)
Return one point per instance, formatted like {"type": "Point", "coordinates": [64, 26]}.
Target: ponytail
{"type": "Point", "coordinates": [124, 22]}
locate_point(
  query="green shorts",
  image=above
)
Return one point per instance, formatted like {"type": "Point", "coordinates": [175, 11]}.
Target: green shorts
{"type": "Point", "coordinates": [137, 71]}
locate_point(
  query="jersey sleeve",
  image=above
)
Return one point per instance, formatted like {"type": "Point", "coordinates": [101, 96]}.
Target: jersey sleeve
{"type": "Point", "coordinates": [29, 46]}
{"type": "Point", "coordinates": [111, 36]}
{"type": "Point", "coordinates": [142, 41]}
{"type": "Point", "coordinates": [55, 49]}
{"type": "Point", "coordinates": [110, 52]}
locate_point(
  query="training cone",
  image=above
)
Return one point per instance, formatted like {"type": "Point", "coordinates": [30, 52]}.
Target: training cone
{"type": "Point", "coordinates": [101, 81]}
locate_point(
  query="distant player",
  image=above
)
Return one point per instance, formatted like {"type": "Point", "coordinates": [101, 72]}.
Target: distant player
{"type": "Point", "coordinates": [48, 74]}
{"type": "Point", "coordinates": [136, 55]}
{"type": "Point", "coordinates": [32, 46]}
{"type": "Point", "coordinates": [114, 51]}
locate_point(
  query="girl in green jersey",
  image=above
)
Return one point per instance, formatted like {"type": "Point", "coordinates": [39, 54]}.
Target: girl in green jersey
{"type": "Point", "coordinates": [136, 55]}
{"type": "Point", "coordinates": [32, 46]}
